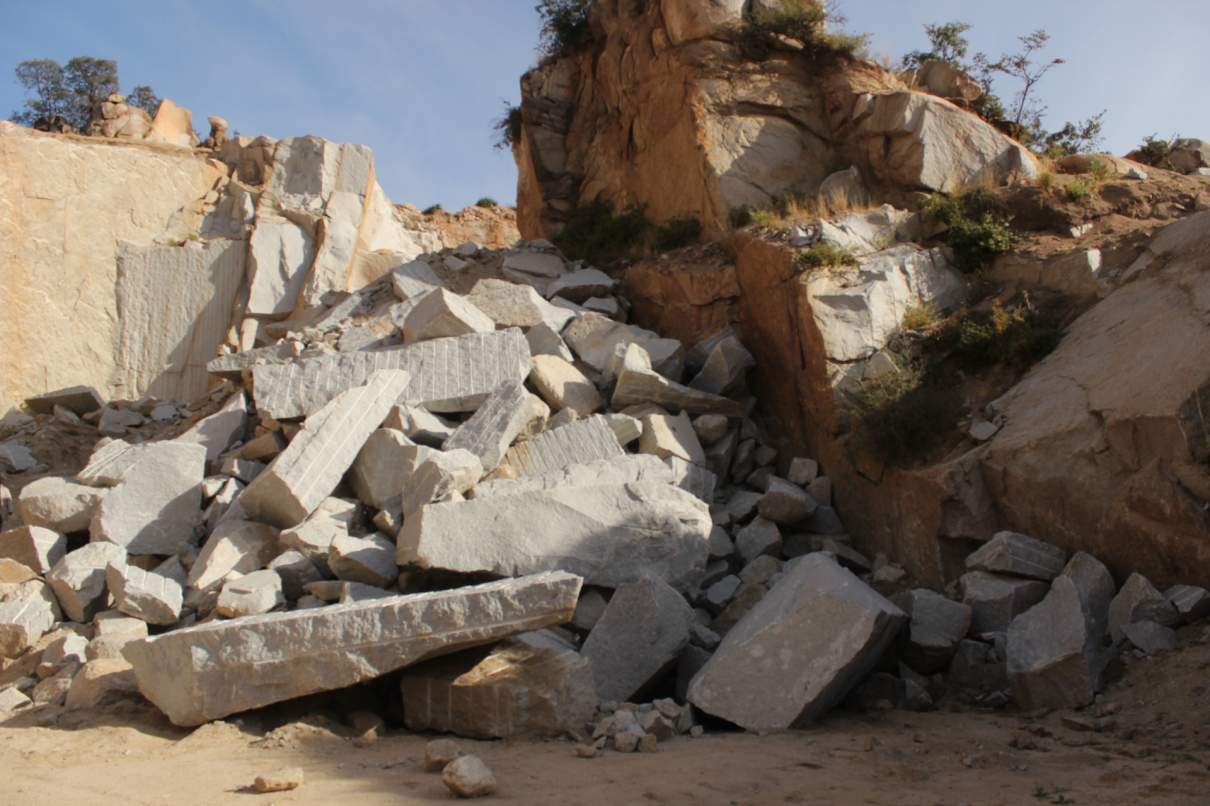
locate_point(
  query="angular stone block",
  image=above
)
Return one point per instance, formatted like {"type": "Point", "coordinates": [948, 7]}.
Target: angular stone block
{"type": "Point", "coordinates": [535, 684]}
{"type": "Point", "coordinates": [217, 432]}
{"type": "Point", "coordinates": [667, 436]}
{"type": "Point", "coordinates": [441, 314]}
{"type": "Point", "coordinates": [545, 340]}
{"type": "Point", "coordinates": [798, 651]}
{"type": "Point", "coordinates": [937, 626]}
{"type": "Point", "coordinates": [235, 545]}
{"type": "Point", "coordinates": [368, 560]}
{"type": "Point", "coordinates": [1018, 555]}
{"type": "Point", "coordinates": [635, 387]}
{"type": "Point", "coordinates": [996, 600]}
{"type": "Point", "coordinates": [307, 471]}
{"type": "Point", "coordinates": [491, 430]}
{"type": "Point", "coordinates": [514, 305]}
{"type": "Point", "coordinates": [420, 425]}
{"type": "Point", "coordinates": [280, 253]}
{"type": "Point", "coordinates": [145, 595]}
{"type": "Point", "coordinates": [1054, 659]}
{"type": "Point", "coordinates": [1138, 600]}
{"type": "Point", "coordinates": [213, 670]}
{"type": "Point", "coordinates": [785, 503]}
{"type": "Point", "coordinates": [577, 443]}
{"type": "Point", "coordinates": [78, 579]}
{"type": "Point", "coordinates": [383, 466]}
{"type": "Point", "coordinates": [157, 502]}
{"type": "Point", "coordinates": [618, 470]}
{"type": "Point", "coordinates": [1191, 602]}
{"type": "Point", "coordinates": [77, 399]}
{"type": "Point", "coordinates": [609, 534]}
{"type": "Point", "coordinates": [250, 595]}
{"type": "Point", "coordinates": [28, 610]}
{"type": "Point", "coordinates": [448, 375]}
{"type": "Point", "coordinates": [637, 639]}
{"type": "Point", "coordinates": [564, 387]}
{"type": "Point", "coordinates": [34, 547]}
{"type": "Point", "coordinates": [58, 504]}
{"type": "Point", "coordinates": [414, 279]}
{"type": "Point", "coordinates": [444, 475]}
{"type": "Point", "coordinates": [725, 369]}
{"type": "Point", "coordinates": [594, 337]}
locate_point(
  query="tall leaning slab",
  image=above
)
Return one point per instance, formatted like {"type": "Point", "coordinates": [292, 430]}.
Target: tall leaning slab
{"type": "Point", "coordinates": [449, 375]}
{"type": "Point", "coordinates": [308, 470]}
{"type": "Point", "coordinates": [799, 651]}
{"type": "Point", "coordinates": [213, 670]}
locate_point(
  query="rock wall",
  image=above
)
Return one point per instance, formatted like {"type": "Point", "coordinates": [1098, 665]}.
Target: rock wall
{"type": "Point", "coordinates": [126, 265]}
{"type": "Point", "coordinates": [67, 205]}
{"type": "Point", "coordinates": [668, 109]}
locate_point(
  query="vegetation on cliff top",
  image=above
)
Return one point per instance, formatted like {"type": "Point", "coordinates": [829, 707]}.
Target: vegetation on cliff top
{"type": "Point", "coordinates": [73, 93]}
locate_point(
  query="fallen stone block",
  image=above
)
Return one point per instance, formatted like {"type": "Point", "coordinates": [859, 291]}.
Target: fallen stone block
{"type": "Point", "coordinates": [490, 431]}
{"type": "Point", "coordinates": [514, 305]}
{"type": "Point", "coordinates": [594, 337]}
{"type": "Point", "coordinates": [710, 428]}
{"type": "Point", "coordinates": [58, 504]}
{"type": "Point", "coordinates": [34, 547]}
{"type": "Point", "coordinates": [638, 638]}
{"type": "Point", "coordinates": [1018, 555]}
{"type": "Point", "coordinates": [545, 340]}
{"type": "Point", "coordinates": [448, 375]}
{"type": "Point", "coordinates": [414, 279]}
{"type": "Point", "coordinates": [109, 462]}
{"type": "Point", "coordinates": [442, 314]}
{"type": "Point", "coordinates": [284, 780]}
{"type": "Point", "coordinates": [667, 436]}
{"type": "Point", "coordinates": [235, 545]}
{"type": "Point", "coordinates": [535, 684]}
{"type": "Point", "coordinates": [1053, 657]}
{"type": "Point", "coordinates": [419, 425]}
{"type": "Point", "coordinates": [368, 560]}
{"type": "Point", "coordinates": [307, 472]}
{"type": "Point", "coordinates": [577, 443]}
{"type": "Point", "coordinates": [936, 628]}
{"type": "Point", "coordinates": [210, 671]}
{"type": "Point", "coordinates": [468, 777]}
{"type": "Point", "coordinates": [144, 595]}
{"type": "Point", "coordinates": [383, 467]}
{"type": "Point", "coordinates": [635, 387]}
{"type": "Point", "coordinates": [12, 699]}
{"type": "Point", "coordinates": [785, 503]}
{"type": "Point", "coordinates": [157, 500]}
{"type": "Point", "coordinates": [759, 537]}
{"type": "Point", "coordinates": [609, 534]}
{"type": "Point", "coordinates": [251, 595]}
{"type": "Point", "coordinates": [1138, 600]}
{"type": "Point", "coordinates": [78, 579]}
{"type": "Point", "coordinates": [726, 368]}
{"type": "Point", "coordinates": [996, 600]}
{"type": "Point", "coordinates": [692, 478]}
{"type": "Point", "coordinates": [563, 386]}
{"type": "Point", "coordinates": [15, 458]}
{"type": "Point", "coordinates": [28, 610]}
{"type": "Point", "coordinates": [799, 651]}
{"type": "Point", "coordinates": [219, 431]}
{"type": "Point", "coordinates": [445, 475]}
{"type": "Point", "coordinates": [617, 470]}
{"type": "Point", "coordinates": [581, 286]}
{"type": "Point", "coordinates": [1191, 602]}
{"type": "Point", "coordinates": [1149, 637]}
{"type": "Point", "coordinates": [626, 428]}
{"type": "Point", "coordinates": [79, 400]}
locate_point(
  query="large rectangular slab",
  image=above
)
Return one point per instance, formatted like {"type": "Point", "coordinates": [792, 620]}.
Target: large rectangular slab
{"type": "Point", "coordinates": [308, 470]}
{"type": "Point", "coordinates": [449, 375]}
{"type": "Point", "coordinates": [213, 670]}
{"type": "Point", "coordinates": [575, 443]}
{"type": "Point", "coordinates": [608, 534]}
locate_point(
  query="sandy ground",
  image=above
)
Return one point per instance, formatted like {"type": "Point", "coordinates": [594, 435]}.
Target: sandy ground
{"type": "Point", "coordinates": [1154, 747]}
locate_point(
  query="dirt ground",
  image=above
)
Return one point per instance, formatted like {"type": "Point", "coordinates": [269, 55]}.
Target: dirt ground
{"type": "Point", "coordinates": [1152, 746]}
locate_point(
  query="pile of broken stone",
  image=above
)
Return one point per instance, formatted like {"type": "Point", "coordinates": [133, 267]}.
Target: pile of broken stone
{"type": "Point", "coordinates": [541, 514]}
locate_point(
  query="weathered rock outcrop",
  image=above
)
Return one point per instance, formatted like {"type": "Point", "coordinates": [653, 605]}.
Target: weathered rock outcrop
{"type": "Point", "coordinates": [666, 109]}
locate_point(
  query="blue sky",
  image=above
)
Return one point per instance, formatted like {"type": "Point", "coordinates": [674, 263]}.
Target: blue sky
{"type": "Point", "coordinates": [420, 81]}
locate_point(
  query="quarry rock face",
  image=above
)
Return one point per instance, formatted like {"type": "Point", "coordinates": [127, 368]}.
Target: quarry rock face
{"type": "Point", "coordinates": [210, 671]}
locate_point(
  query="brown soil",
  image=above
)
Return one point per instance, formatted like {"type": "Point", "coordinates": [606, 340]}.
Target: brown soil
{"type": "Point", "coordinates": [1155, 748]}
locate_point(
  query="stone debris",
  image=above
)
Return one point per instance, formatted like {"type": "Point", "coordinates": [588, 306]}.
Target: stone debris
{"type": "Point", "coordinates": [449, 375]}
{"type": "Point", "coordinates": [996, 600]}
{"type": "Point", "coordinates": [15, 458]}
{"type": "Point", "coordinates": [468, 777]}
{"type": "Point", "coordinates": [1138, 600]}
{"type": "Point", "coordinates": [235, 545]}
{"type": "Point", "coordinates": [563, 386]}
{"type": "Point", "coordinates": [637, 639]}
{"type": "Point", "coordinates": [1053, 654]}
{"type": "Point", "coordinates": [78, 579]}
{"type": "Point", "coordinates": [385, 464]}
{"type": "Point", "coordinates": [1191, 602]}
{"type": "Point", "coordinates": [155, 504]}
{"type": "Point", "coordinates": [440, 752]}
{"type": "Point", "coordinates": [640, 386]}
{"type": "Point", "coordinates": [58, 504]}
{"type": "Point", "coordinates": [936, 626]}
{"type": "Point", "coordinates": [799, 650]}
{"type": "Point", "coordinates": [1149, 637]}
{"type": "Point", "coordinates": [146, 595]}
{"type": "Point", "coordinates": [608, 534]}
{"type": "Point", "coordinates": [513, 305]}
{"type": "Point", "coordinates": [283, 780]}
{"type": "Point", "coordinates": [250, 595]}
{"type": "Point", "coordinates": [441, 314]}
{"type": "Point", "coordinates": [212, 670]}
{"type": "Point", "coordinates": [414, 279]}
{"type": "Point", "coordinates": [726, 368]}
{"type": "Point", "coordinates": [784, 503]}
{"type": "Point", "coordinates": [580, 442]}
{"type": "Point", "coordinates": [28, 610]}
{"type": "Point", "coordinates": [535, 684]}
{"type": "Point", "coordinates": [489, 432]}
{"type": "Point", "coordinates": [419, 425]}
{"type": "Point", "coordinates": [1018, 555]}
{"type": "Point", "coordinates": [35, 548]}
{"type": "Point", "coordinates": [594, 338]}
{"type": "Point", "coordinates": [307, 472]}
{"type": "Point", "coordinates": [369, 560]}
{"type": "Point", "coordinates": [79, 400]}
{"type": "Point", "coordinates": [667, 437]}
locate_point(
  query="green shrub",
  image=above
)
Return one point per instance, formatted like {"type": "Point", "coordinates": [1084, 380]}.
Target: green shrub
{"type": "Point", "coordinates": [594, 233]}
{"type": "Point", "coordinates": [975, 239]}
{"type": "Point", "coordinates": [741, 216]}
{"type": "Point", "coordinates": [907, 415]}
{"type": "Point", "coordinates": [1155, 151]}
{"type": "Point", "coordinates": [804, 20]}
{"type": "Point", "coordinates": [676, 233]}
{"type": "Point", "coordinates": [564, 26]}
{"type": "Point", "coordinates": [436, 208]}
{"type": "Point", "coordinates": [1016, 336]}
{"type": "Point", "coordinates": [488, 202]}
{"type": "Point", "coordinates": [918, 318]}
{"type": "Point", "coordinates": [826, 254]}
{"type": "Point", "coordinates": [507, 128]}
{"type": "Point", "coordinates": [1079, 191]}
{"type": "Point", "coordinates": [763, 217]}
{"type": "Point", "coordinates": [1100, 171]}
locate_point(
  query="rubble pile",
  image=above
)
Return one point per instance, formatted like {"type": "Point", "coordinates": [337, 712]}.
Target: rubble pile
{"type": "Point", "coordinates": [476, 457]}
